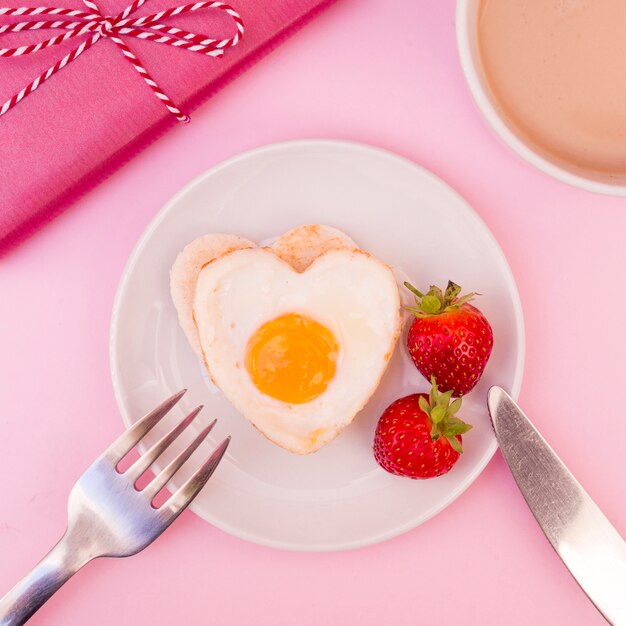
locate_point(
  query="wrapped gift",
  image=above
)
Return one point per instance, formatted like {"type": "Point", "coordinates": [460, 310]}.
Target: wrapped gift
{"type": "Point", "coordinates": [86, 86]}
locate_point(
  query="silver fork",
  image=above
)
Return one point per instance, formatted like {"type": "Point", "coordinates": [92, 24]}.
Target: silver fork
{"type": "Point", "coordinates": [108, 516]}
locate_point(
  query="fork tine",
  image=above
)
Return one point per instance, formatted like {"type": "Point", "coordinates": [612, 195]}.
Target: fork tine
{"type": "Point", "coordinates": [147, 459]}
{"type": "Point", "coordinates": [186, 494]}
{"type": "Point", "coordinates": [169, 470]}
{"type": "Point", "coordinates": [124, 443]}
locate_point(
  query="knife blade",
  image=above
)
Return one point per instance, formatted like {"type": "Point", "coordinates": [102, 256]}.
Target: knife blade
{"type": "Point", "coordinates": [585, 540]}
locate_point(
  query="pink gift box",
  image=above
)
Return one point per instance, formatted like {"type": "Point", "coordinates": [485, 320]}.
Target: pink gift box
{"type": "Point", "coordinates": [97, 112]}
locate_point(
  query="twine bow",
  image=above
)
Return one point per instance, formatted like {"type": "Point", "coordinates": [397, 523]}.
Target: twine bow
{"type": "Point", "coordinates": [99, 26]}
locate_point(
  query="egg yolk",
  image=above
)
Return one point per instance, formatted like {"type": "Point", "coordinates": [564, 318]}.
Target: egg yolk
{"type": "Point", "coordinates": [292, 358]}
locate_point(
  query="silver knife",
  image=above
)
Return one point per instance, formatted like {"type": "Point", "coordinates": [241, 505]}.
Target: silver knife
{"type": "Point", "coordinates": [582, 536]}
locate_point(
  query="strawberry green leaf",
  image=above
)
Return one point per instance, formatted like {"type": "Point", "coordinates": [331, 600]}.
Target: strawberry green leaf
{"type": "Point", "coordinates": [444, 399]}
{"type": "Point", "coordinates": [450, 420]}
{"type": "Point", "coordinates": [431, 304]}
{"type": "Point", "coordinates": [413, 290]}
{"type": "Point", "coordinates": [435, 302]}
{"type": "Point", "coordinates": [434, 392]}
{"type": "Point", "coordinates": [456, 444]}
{"type": "Point", "coordinates": [435, 291]}
{"type": "Point", "coordinates": [415, 311]}
{"type": "Point", "coordinates": [452, 291]}
{"type": "Point", "coordinates": [463, 299]}
{"type": "Point", "coordinates": [437, 414]}
{"type": "Point", "coordinates": [457, 429]}
{"type": "Point", "coordinates": [441, 413]}
{"type": "Point", "coordinates": [454, 407]}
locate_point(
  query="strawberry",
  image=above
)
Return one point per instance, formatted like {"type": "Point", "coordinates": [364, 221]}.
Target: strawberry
{"type": "Point", "coordinates": [449, 338]}
{"type": "Point", "coordinates": [418, 436]}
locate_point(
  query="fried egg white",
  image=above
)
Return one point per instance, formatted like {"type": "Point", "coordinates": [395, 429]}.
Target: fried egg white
{"type": "Point", "coordinates": [297, 353]}
{"type": "Point", "coordinates": [299, 247]}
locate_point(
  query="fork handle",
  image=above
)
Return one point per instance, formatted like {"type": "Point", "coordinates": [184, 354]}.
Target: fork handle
{"type": "Point", "coordinates": [55, 569]}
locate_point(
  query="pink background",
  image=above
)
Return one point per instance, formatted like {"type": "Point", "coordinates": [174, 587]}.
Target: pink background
{"type": "Point", "coordinates": [385, 73]}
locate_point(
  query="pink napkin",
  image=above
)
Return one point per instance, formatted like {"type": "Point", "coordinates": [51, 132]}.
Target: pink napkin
{"type": "Point", "coordinates": [97, 112]}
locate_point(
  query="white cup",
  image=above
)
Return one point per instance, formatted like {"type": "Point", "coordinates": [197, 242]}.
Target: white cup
{"type": "Point", "coordinates": [466, 32]}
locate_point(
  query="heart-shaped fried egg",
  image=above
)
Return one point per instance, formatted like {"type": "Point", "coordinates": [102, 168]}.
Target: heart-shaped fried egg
{"type": "Point", "coordinates": [297, 353]}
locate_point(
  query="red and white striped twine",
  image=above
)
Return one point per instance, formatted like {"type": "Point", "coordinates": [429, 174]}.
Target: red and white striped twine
{"type": "Point", "coordinates": [98, 26]}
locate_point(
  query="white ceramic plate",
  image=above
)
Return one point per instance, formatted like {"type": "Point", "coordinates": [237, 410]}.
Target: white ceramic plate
{"type": "Point", "coordinates": [337, 498]}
